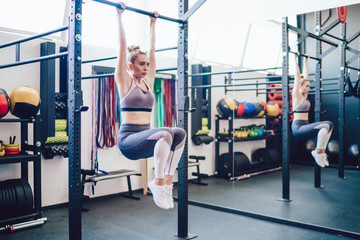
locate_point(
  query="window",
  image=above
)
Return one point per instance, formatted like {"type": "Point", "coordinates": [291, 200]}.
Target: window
{"type": "Point", "coordinates": [36, 16]}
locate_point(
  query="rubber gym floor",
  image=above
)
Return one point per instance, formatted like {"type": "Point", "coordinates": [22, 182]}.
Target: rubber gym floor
{"type": "Point", "coordinates": [114, 217]}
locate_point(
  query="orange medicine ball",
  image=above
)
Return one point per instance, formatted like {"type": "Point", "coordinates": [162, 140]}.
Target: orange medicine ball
{"type": "Point", "coordinates": [24, 101]}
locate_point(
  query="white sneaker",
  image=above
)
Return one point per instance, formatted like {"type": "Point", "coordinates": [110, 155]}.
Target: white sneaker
{"type": "Point", "coordinates": [169, 197]}
{"type": "Point", "coordinates": [318, 158]}
{"type": "Point", "coordinates": [159, 195]}
{"type": "Point", "coordinates": [325, 159]}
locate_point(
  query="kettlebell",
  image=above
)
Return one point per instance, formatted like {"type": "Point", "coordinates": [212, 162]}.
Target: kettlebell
{"type": "Point", "coordinates": [2, 149]}
{"type": "Point", "coordinates": [256, 133]}
{"type": "Point", "coordinates": [261, 130]}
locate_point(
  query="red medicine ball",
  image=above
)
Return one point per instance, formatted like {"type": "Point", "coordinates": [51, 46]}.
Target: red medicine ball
{"type": "Point", "coordinates": [4, 103]}
{"type": "Point", "coordinates": [240, 109]}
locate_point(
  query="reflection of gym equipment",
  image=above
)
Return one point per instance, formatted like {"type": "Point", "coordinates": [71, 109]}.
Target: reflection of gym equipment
{"type": "Point", "coordinates": [227, 169]}
{"type": "Point", "coordinates": [201, 102]}
{"type": "Point", "coordinates": [263, 160]}
{"type": "Point", "coordinates": [265, 157]}
{"type": "Point", "coordinates": [199, 175]}
{"type": "Point", "coordinates": [201, 136]}
{"type": "Point", "coordinates": [353, 150]}
{"type": "Point", "coordinates": [226, 106]}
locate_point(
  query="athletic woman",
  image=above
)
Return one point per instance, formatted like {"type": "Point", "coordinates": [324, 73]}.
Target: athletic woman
{"type": "Point", "coordinates": [301, 127]}
{"type": "Point", "coordinates": [135, 74]}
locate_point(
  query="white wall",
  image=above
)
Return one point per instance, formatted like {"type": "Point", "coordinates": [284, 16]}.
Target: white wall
{"type": "Point", "coordinates": [54, 172]}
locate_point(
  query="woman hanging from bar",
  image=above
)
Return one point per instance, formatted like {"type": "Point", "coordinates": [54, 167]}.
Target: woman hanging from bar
{"type": "Point", "coordinates": [301, 127]}
{"type": "Point", "coordinates": [135, 75]}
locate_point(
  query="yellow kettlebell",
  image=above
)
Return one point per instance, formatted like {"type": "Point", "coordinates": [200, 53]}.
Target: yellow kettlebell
{"type": "Point", "coordinates": [2, 148]}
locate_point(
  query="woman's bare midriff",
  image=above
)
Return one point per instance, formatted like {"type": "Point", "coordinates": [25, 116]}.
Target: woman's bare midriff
{"type": "Point", "coordinates": [301, 116]}
{"type": "Point", "coordinates": [135, 117]}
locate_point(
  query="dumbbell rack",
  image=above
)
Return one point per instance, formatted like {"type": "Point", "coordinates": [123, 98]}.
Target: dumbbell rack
{"type": "Point", "coordinates": [24, 158]}
{"type": "Point", "coordinates": [230, 137]}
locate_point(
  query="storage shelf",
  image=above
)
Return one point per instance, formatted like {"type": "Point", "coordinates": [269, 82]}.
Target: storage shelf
{"type": "Point", "coordinates": [18, 158]}
{"type": "Point", "coordinates": [24, 159]}
{"type": "Point", "coordinates": [263, 117]}
{"type": "Point", "coordinates": [222, 139]}
{"type": "Point", "coordinates": [29, 120]}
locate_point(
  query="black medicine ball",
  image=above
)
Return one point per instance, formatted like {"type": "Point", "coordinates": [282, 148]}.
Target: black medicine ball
{"type": "Point", "coordinates": [226, 106]}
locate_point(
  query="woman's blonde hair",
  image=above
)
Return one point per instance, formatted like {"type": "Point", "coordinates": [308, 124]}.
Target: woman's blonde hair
{"type": "Point", "coordinates": [303, 80]}
{"type": "Point", "coordinates": [133, 52]}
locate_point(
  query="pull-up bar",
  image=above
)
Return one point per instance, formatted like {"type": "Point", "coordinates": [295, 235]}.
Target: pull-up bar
{"type": "Point", "coordinates": [308, 34]}
{"type": "Point", "coordinates": [151, 14]}
{"type": "Point", "coordinates": [304, 55]}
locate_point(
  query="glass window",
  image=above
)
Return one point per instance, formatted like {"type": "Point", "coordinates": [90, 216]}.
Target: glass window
{"type": "Point", "coordinates": [263, 46]}
{"type": "Point", "coordinates": [100, 26]}
{"type": "Point", "coordinates": [35, 16]}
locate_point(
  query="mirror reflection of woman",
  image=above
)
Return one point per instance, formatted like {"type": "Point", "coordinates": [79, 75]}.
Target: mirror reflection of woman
{"type": "Point", "coordinates": [301, 127]}
{"type": "Point", "coordinates": [135, 75]}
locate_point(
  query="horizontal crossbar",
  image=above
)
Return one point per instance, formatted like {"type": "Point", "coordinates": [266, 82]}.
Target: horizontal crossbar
{"type": "Point", "coordinates": [33, 37]}
{"type": "Point", "coordinates": [33, 60]}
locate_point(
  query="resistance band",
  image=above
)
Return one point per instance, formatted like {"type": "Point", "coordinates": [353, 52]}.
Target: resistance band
{"type": "Point", "coordinates": [166, 102]}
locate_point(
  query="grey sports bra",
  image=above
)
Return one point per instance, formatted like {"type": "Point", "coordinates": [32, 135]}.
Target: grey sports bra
{"type": "Point", "coordinates": [136, 99]}
{"type": "Point", "coordinates": [303, 107]}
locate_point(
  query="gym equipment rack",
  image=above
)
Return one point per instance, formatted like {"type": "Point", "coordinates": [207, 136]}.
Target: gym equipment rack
{"type": "Point", "coordinates": [24, 158]}
{"type": "Point", "coordinates": [75, 106]}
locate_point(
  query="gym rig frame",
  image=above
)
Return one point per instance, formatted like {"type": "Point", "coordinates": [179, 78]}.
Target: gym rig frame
{"type": "Point", "coordinates": [75, 107]}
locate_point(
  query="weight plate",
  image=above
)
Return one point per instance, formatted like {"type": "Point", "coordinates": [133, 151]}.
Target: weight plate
{"type": "Point", "coordinates": [20, 197]}
{"type": "Point", "coordinates": [7, 200]}
{"type": "Point", "coordinates": [2, 197]}
{"type": "Point", "coordinates": [29, 206]}
{"type": "Point", "coordinates": [12, 206]}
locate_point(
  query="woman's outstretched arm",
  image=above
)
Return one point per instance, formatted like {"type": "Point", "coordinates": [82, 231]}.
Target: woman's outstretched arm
{"type": "Point", "coordinates": [122, 77]}
{"type": "Point", "coordinates": [152, 60]}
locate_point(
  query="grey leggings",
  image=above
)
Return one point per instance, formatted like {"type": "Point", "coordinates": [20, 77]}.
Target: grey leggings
{"type": "Point", "coordinates": [165, 144]}
{"type": "Point", "coordinates": [304, 130]}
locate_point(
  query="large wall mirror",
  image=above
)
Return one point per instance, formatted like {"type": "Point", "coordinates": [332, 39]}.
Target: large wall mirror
{"type": "Point", "coordinates": [260, 193]}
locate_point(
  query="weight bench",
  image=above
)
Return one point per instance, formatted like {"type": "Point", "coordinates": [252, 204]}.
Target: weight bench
{"type": "Point", "coordinates": [196, 164]}
{"type": "Point", "coordinates": [91, 176]}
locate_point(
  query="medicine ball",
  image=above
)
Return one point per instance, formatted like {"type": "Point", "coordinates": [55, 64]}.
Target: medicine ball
{"type": "Point", "coordinates": [353, 150]}
{"type": "Point", "coordinates": [226, 106]}
{"type": "Point", "coordinates": [259, 109]}
{"type": "Point", "coordinates": [24, 101]}
{"type": "Point", "coordinates": [249, 109]}
{"type": "Point", "coordinates": [240, 109]}
{"type": "Point", "coordinates": [273, 109]}
{"type": "Point", "coordinates": [310, 145]}
{"type": "Point", "coordinates": [4, 103]}
{"type": "Point", "coordinates": [264, 104]}
{"type": "Point", "coordinates": [333, 146]}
